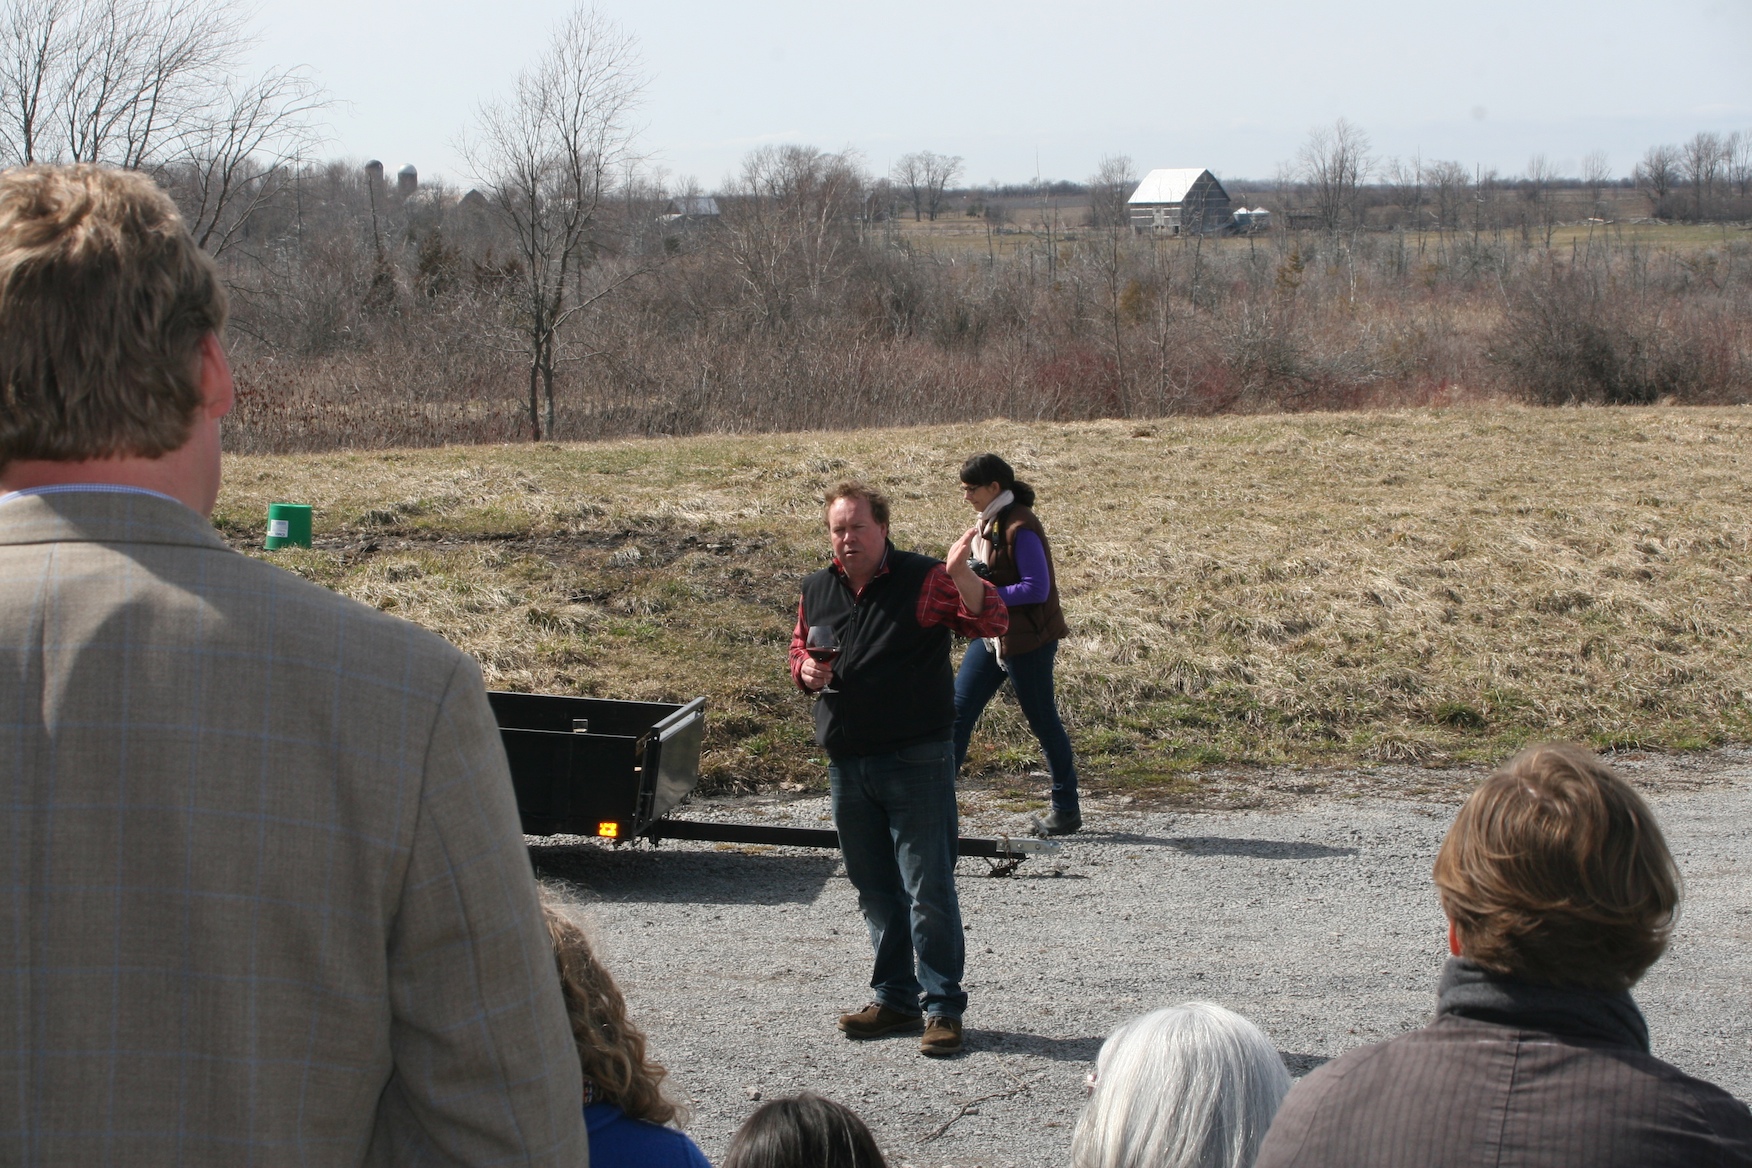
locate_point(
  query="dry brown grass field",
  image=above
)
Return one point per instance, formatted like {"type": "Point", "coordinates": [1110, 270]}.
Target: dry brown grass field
{"type": "Point", "coordinates": [1434, 586]}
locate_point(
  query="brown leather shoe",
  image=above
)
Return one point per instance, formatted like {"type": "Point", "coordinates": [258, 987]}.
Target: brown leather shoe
{"type": "Point", "coordinates": [942, 1036]}
{"type": "Point", "coordinates": [875, 1020]}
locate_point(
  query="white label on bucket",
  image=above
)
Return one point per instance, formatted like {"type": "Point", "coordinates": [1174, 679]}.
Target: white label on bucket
{"type": "Point", "coordinates": [279, 528]}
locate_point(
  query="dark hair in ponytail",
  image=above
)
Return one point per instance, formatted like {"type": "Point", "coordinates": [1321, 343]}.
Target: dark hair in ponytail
{"type": "Point", "coordinates": [989, 468]}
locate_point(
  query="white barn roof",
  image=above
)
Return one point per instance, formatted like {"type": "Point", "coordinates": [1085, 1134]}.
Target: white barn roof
{"type": "Point", "coordinates": [1166, 186]}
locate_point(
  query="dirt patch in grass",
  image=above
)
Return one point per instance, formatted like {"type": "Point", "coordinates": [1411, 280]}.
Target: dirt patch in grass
{"type": "Point", "coordinates": [1420, 591]}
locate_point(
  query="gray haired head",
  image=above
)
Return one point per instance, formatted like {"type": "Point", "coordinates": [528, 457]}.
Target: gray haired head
{"type": "Point", "coordinates": [1192, 1086]}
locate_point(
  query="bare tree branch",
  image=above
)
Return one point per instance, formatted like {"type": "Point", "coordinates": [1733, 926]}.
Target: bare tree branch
{"type": "Point", "coordinates": [926, 175]}
{"type": "Point", "coordinates": [1658, 173]}
{"type": "Point", "coordinates": [791, 221]}
{"type": "Point", "coordinates": [232, 158]}
{"type": "Point", "coordinates": [1109, 189]}
{"type": "Point", "coordinates": [1334, 163]}
{"type": "Point", "coordinates": [152, 85]}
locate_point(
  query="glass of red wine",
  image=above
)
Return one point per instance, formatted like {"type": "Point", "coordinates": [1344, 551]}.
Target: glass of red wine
{"type": "Point", "coordinates": [823, 645]}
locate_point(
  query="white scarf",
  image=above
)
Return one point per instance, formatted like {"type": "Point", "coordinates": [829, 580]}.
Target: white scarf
{"type": "Point", "coordinates": [982, 543]}
{"type": "Point", "coordinates": [982, 551]}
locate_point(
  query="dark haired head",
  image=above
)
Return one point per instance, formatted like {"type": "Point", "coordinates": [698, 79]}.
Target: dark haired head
{"type": "Point", "coordinates": [805, 1132]}
{"type": "Point", "coordinates": [982, 469]}
{"type": "Point", "coordinates": [1555, 872]}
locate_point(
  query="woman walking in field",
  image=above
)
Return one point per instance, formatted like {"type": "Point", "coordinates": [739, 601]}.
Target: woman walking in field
{"type": "Point", "coordinates": [1010, 549]}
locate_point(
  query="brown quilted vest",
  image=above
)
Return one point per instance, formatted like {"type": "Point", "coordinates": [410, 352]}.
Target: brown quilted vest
{"type": "Point", "coordinates": [1031, 625]}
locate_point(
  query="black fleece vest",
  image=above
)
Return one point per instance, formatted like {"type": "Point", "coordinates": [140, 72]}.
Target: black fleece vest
{"type": "Point", "coordinates": [893, 677]}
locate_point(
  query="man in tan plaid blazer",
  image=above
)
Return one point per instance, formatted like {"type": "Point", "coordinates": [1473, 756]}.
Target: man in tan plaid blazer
{"type": "Point", "coordinates": [262, 893]}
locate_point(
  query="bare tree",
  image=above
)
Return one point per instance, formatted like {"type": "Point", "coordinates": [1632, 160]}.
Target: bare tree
{"type": "Point", "coordinates": [1541, 178]}
{"type": "Point", "coordinates": [1658, 173]}
{"type": "Point", "coordinates": [1700, 161]}
{"type": "Point", "coordinates": [1596, 173]}
{"type": "Point", "coordinates": [1484, 191]}
{"type": "Point", "coordinates": [1448, 182]}
{"type": "Point", "coordinates": [235, 153]}
{"type": "Point", "coordinates": [940, 171]}
{"type": "Point", "coordinates": [1739, 162]}
{"type": "Point", "coordinates": [153, 85]}
{"type": "Point", "coordinates": [548, 154]}
{"type": "Point", "coordinates": [1406, 178]}
{"type": "Point", "coordinates": [791, 220]}
{"type": "Point", "coordinates": [36, 42]}
{"type": "Point", "coordinates": [112, 81]}
{"type": "Point", "coordinates": [926, 175]}
{"type": "Point", "coordinates": [1284, 184]}
{"type": "Point", "coordinates": [1109, 189]}
{"type": "Point", "coordinates": [879, 204]}
{"type": "Point", "coordinates": [908, 173]}
{"type": "Point", "coordinates": [1334, 162]}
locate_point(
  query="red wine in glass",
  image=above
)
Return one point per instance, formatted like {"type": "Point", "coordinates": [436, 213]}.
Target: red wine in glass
{"type": "Point", "coordinates": [823, 645]}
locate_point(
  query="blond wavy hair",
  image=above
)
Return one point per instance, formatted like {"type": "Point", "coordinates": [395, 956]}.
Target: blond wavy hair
{"type": "Point", "coordinates": [611, 1049]}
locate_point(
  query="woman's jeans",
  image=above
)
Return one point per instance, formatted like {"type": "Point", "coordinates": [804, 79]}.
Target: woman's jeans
{"type": "Point", "coordinates": [1030, 676]}
{"type": "Point", "coordinates": [899, 830]}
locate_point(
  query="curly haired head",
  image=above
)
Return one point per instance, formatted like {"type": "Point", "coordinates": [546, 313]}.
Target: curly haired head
{"type": "Point", "coordinates": [1555, 871]}
{"type": "Point", "coordinates": [610, 1048]}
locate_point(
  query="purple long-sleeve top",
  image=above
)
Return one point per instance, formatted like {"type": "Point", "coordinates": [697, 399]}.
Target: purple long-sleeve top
{"type": "Point", "coordinates": [1036, 582]}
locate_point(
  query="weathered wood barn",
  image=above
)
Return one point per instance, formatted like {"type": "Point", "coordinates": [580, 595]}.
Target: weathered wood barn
{"type": "Point", "coordinates": [1180, 199]}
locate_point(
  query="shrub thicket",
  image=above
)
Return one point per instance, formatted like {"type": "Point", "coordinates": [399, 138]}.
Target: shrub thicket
{"type": "Point", "coordinates": [366, 319]}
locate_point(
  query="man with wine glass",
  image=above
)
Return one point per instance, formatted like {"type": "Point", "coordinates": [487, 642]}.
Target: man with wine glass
{"type": "Point", "coordinates": [880, 622]}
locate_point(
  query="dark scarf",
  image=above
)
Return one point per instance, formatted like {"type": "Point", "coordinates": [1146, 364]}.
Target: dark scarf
{"type": "Point", "coordinates": [1468, 991]}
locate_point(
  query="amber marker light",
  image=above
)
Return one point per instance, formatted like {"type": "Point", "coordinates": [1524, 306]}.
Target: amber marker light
{"type": "Point", "coordinates": [608, 830]}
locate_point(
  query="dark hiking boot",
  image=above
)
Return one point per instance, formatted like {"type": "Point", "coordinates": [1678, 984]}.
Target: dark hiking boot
{"type": "Point", "coordinates": [875, 1020]}
{"type": "Point", "coordinates": [942, 1037]}
{"type": "Point", "coordinates": [1055, 822]}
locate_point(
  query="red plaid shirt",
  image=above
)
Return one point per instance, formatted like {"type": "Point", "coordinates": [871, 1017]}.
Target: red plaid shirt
{"type": "Point", "coordinates": [939, 604]}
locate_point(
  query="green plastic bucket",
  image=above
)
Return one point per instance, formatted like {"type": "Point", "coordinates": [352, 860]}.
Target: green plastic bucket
{"type": "Point", "coordinates": [288, 525]}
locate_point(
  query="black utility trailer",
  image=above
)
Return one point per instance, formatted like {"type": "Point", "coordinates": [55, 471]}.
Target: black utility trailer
{"type": "Point", "coordinates": [616, 769]}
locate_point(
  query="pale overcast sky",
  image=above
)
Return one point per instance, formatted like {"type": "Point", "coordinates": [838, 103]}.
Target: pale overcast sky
{"type": "Point", "coordinates": [1025, 85]}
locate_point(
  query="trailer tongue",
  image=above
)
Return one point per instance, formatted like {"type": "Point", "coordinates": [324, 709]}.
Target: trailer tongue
{"type": "Point", "coordinates": [617, 769]}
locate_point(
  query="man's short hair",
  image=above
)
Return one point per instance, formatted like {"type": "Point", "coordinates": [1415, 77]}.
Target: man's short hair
{"type": "Point", "coordinates": [874, 499]}
{"type": "Point", "coordinates": [1555, 871]}
{"type": "Point", "coordinates": [104, 299]}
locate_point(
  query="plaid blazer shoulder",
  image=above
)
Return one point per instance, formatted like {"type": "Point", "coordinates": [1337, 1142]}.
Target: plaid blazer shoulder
{"type": "Point", "coordinates": [266, 899]}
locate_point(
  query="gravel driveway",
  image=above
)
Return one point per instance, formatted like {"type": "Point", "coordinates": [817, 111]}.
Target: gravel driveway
{"type": "Point", "coordinates": [1316, 919]}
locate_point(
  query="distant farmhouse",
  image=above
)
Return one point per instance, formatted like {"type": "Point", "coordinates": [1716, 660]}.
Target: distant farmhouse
{"type": "Point", "coordinates": [692, 209]}
{"type": "Point", "coordinates": [1185, 200]}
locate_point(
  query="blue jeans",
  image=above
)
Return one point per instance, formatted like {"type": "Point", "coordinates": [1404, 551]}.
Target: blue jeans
{"type": "Point", "coordinates": [1030, 676]}
{"type": "Point", "coordinates": [898, 828]}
